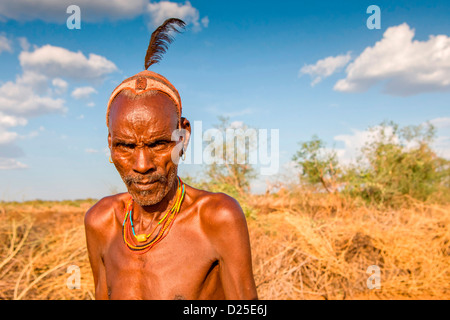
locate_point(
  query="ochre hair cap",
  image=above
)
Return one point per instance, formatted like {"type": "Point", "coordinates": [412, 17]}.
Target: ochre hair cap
{"type": "Point", "coordinates": [146, 81]}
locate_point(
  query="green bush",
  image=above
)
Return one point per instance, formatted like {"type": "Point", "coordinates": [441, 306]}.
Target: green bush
{"type": "Point", "coordinates": [318, 165]}
{"type": "Point", "coordinates": [398, 163]}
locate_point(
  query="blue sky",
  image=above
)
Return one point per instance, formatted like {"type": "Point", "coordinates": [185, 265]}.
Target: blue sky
{"type": "Point", "coordinates": [301, 67]}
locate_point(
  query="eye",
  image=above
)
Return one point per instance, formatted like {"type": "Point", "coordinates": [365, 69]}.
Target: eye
{"type": "Point", "coordinates": [125, 146]}
{"type": "Point", "coordinates": [160, 144]}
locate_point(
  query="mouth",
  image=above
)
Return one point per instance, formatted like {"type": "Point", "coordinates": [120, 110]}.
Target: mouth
{"type": "Point", "coordinates": [144, 185]}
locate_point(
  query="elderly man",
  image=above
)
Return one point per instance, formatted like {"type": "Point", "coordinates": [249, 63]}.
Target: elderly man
{"type": "Point", "coordinates": [162, 239]}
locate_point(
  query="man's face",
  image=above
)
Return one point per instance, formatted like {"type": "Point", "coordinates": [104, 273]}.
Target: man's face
{"type": "Point", "coordinates": [140, 139]}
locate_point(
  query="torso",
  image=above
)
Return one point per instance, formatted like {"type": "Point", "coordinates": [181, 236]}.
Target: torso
{"type": "Point", "coordinates": [183, 265]}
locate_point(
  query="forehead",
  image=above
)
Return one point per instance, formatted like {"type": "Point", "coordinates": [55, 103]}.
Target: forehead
{"type": "Point", "coordinates": [150, 114]}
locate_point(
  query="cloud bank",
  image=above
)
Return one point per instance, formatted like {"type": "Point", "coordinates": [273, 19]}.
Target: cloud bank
{"type": "Point", "coordinates": [399, 64]}
{"type": "Point", "coordinates": [54, 11]}
{"type": "Point", "coordinates": [402, 65]}
{"type": "Point", "coordinates": [39, 90]}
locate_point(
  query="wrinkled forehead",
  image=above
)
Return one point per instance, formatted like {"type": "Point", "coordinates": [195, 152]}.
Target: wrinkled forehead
{"type": "Point", "coordinates": [152, 112]}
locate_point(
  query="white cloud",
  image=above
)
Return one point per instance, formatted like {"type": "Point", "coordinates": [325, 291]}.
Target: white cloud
{"type": "Point", "coordinates": [100, 10]}
{"type": "Point", "coordinates": [325, 67]}
{"type": "Point", "coordinates": [59, 62]}
{"type": "Point", "coordinates": [403, 65]}
{"type": "Point", "coordinates": [236, 125]}
{"type": "Point", "coordinates": [358, 139]}
{"type": "Point", "coordinates": [33, 91]}
{"type": "Point", "coordinates": [8, 121]}
{"type": "Point", "coordinates": [55, 10]}
{"type": "Point", "coordinates": [205, 22]}
{"type": "Point", "coordinates": [11, 121]}
{"type": "Point", "coordinates": [442, 146]}
{"type": "Point", "coordinates": [19, 98]}
{"type": "Point", "coordinates": [9, 164]}
{"type": "Point", "coordinates": [24, 44]}
{"type": "Point", "coordinates": [7, 136]}
{"type": "Point", "coordinates": [31, 95]}
{"type": "Point", "coordinates": [5, 44]}
{"type": "Point", "coordinates": [38, 83]}
{"type": "Point", "coordinates": [160, 11]}
{"type": "Point", "coordinates": [60, 85]}
{"type": "Point", "coordinates": [83, 92]}
{"type": "Point", "coordinates": [90, 150]}
{"type": "Point", "coordinates": [441, 122]}
{"type": "Point", "coordinates": [27, 96]}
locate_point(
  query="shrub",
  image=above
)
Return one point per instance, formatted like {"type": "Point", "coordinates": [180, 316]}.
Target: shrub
{"type": "Point", "coordinates": [395, 164]}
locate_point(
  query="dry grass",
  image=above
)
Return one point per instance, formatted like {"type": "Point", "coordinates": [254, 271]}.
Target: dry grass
{"type": "Point", "coordinates": [316, 246]}
{"type": "Point", "coordinates": [304, 245]}
{"type": "Point", "coordinates": [38, 243]}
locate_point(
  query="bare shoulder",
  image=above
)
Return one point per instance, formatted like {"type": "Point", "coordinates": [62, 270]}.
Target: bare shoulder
{"type": "Point", "coordinates": [217, 210]}
{"type": "Point", "coordinates": [102, 214]}
{"type": "Point", "coordinates": [224, 224]}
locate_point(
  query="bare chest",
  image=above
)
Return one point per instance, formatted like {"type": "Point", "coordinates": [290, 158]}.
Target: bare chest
{"type": "Point", "coordinates": [181, 266]}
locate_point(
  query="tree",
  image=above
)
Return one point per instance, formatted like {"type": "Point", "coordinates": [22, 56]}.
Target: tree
{"type": "Point", "coordinates": [226, 171]}
{"type": "Point", "coordinates": [395, 162]}
{"type": "Point", "coordinates": [226, 174]}
{"type": "Point", "coordinates": [398, 161]}
{"type": "Point", "coordinates": [317, 164]}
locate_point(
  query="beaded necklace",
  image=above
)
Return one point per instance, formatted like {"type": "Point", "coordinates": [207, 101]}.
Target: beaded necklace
{"type": "Point", "coordinates": [166, 221]}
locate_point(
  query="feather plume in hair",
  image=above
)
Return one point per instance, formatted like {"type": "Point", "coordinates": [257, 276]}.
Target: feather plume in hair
{"type": "Point", "coordinates": [160, 40]}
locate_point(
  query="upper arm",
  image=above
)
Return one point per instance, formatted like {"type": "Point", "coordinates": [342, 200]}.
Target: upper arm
{"type": "Point", "coordinates": [227, 228]}
{"type": "Point", "coordinates": [94, 241]}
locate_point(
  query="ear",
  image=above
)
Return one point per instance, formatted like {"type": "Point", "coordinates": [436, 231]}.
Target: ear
{"type": "Point", "coordinates": [182, 134]}
{"type": "Point", "coordinates": [109, 140]}
{"type": "Point", "coordinates": [186, 126]}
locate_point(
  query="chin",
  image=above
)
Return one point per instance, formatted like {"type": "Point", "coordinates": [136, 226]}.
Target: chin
{"type": "Point", "coordinates": [148, 198]}
{"type": "Point", "coordinates": [154, 193]}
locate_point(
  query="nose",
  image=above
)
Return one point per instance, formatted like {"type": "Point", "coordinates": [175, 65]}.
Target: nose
{"type": "Point", "coordinates": [144, 161]}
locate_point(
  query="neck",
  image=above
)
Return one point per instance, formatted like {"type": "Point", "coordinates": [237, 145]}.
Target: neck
{"type": "Point", "coordinates": [157, 210]}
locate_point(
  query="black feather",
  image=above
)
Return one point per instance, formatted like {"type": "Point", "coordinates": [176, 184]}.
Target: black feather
{"type": "Point", "coordinates": [160, 40]}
